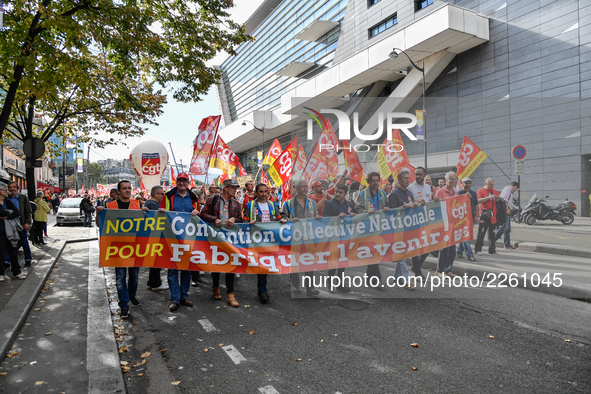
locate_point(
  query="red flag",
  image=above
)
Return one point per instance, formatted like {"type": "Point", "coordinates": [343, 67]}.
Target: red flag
{"type": "Point", "coordinates": [203, 144]}
{"type": "Point", "coordinates": [172, 177]}
{"type": "Point", "coordinates": [193, 184]}
{"type": "Point", "coordinates": [282, 168]}
{"type": "Point", "coordinates": [470, 157]}
{"type": "Point", "coordinates": [241, 171]}
{"type": "Point", "coordinates": [224, 158]}
{"type": "Point", "coordinates": [392, 157]}
{"type": "Point", "coordinates": [286, 190]}
{"type": "Point", "coordinates": [323, 163]}
{"type": "Point", "coordinates": [264, 178]}
{"type": "Point", "coordinates": [273, 153]}
{"type": "Point", "coordinates": [142, 185]}
{"type": "Point", "coordinates": [301, 160]}
{"type": "Point", "coordinates": [352, 163]}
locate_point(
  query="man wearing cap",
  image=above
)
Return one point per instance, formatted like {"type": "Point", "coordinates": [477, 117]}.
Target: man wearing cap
{"type": "Point", "coordinates": [464, 246]}
{"type": "Point", "coordinates": [262, 209]}
{"type": "Point", "coordinates": [422, 192]}
{"type": "Point", "coordinates": [224, 209]}
{"type": "Point", "coordinates": [180, 199]}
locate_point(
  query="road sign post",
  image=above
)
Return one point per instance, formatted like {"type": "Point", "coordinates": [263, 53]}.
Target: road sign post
{"type": "Point", "coordinates": [519, 153]}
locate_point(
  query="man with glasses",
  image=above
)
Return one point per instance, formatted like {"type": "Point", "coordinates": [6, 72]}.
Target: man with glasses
{"type": "Point", "coordinates": [224, 209]}
{"type": "Point", "coordinates": [301, 207]}
{"type": "Point", "coordinates": [180, 199]}
{"type": "Point", "coordinates": [153, 204]}
{"type": "Point", "coordinates": [422, 192]}
{"type": "Point", "coordinates": [370, 200]}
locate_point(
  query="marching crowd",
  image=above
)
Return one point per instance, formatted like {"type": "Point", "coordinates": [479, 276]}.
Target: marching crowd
{"type": "Point", "coordinates": [228, 205]}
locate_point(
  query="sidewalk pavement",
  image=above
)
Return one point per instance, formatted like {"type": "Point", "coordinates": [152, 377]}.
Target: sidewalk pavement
{"type": "Point", "coordinates": [18, 297]}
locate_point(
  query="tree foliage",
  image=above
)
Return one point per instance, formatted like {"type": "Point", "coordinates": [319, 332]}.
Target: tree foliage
{"type": "Point", "coordinates": [98, 62]}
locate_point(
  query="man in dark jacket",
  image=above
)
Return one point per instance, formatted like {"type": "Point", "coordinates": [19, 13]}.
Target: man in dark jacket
{"type": "Point", "coordinates": [87, 209]}
{"type": "Point", "coordinates": [23, 205]}
{"type": "Point", "coordinates": [180, 199]}
{"type": "Point", "coordinates": [339, 206]}
{"type": "Point", "coordinates": [223, 209]}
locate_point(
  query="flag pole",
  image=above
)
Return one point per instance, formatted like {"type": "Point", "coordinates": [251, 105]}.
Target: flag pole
{"type": "Point", "coordinates": [508, 177]}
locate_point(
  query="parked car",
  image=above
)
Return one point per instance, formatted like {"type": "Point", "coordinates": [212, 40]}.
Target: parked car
{"type": "Point", "coordinates": [69, 212]}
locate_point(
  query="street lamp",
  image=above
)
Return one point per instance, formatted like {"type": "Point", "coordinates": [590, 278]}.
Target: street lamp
{"type": "Point", "coordinates": [262, 130]}
{"type": "Point", "coordinates": [394, 55]}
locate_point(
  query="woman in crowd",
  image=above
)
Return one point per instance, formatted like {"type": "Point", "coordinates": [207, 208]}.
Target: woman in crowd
{"type": "Point", "coordinates": [40, 219]}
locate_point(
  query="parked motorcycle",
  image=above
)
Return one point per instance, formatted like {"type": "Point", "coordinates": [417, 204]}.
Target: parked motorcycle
{"type": "Point", "coordinates": [537, 210]}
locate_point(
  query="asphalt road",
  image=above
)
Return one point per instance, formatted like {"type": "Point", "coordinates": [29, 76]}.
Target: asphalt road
{"type": "Point", "coordinates": [510, 340]}
{"type": "Point", "coordinates": [556, 236]}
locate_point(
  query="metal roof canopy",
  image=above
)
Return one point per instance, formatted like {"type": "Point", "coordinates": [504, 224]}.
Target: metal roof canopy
{"type": "Point", "coordinates": [315, 30]}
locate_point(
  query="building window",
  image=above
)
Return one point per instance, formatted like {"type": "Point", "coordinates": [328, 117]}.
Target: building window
{"type": "Point", "coordinates": [383, 25]}
{"type": "Point", "coordinates": [372, 2]}
{"type": "Point", "coordinates": [420, 4]}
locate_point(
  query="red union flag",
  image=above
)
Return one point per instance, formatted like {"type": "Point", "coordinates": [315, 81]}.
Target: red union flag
{"type": "Point", "coordinates": [273, 153]}
{"type": "Point", "coordinates": [203, 145]}
{"type": "Point", "coordinates": [352, 163]}
{"type": "Point", "coordinates": [264, 178]}
{"type": "Point", "coordinates": [392, 157]}
{"type": "Point", "coordinates": [324, 163]}
{"type": "Point", "coordinates": [172, 177]}
{"type": "Point", "coordinates": [241, 171]}
{"type": "Point", "coordinates": [282, 168]}
{"type": "Point", "coordinates": [150, 163]}
{"type": "Point", "coordinates": [224, 159]}
{"type": "Point", "coordinates": [470, 158]}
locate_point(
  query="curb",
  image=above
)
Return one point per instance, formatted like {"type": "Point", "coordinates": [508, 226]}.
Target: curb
{"type": "Point", "coordinates": [26, 295]}
{"type": "Point", "coordinates": [555, 249]}
{"type": "Point", "coordinates": [578, 293]}
{"type": "Point", "coordinates": [563, 229]}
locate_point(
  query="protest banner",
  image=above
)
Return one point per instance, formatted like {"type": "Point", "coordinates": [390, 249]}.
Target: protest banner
{"type": "Point", "coordinates": [133, 238]}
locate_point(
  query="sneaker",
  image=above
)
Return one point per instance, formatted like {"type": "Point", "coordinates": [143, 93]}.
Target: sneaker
{"type": "Point", "coordinates": [194, 283]}
{"type": "Point", "coordinates": [409, 287]}
{"type": "Point", "coordinates": [27, 264]}
{"type": "Point", "coordinates": [124, 313]}
{"type": "Point", "coordinates": [471, 258]}
{"type": "Point", "coordinates": [237, 276]}
{"type": "Point", "coordinates": [494, 252]}
{"type": "Point", "coordinates": [160, 288]}
{"type": "Point", "coordinates": [1, 278]}
{"type": "Point", "coordinates": [479, 253]}
{"type": "Point", "coordinates": [264, 298]}
{"type": "Point", "coordinates": [312, 292]}
{"type": "Point", "coordinates": [20, 276]}
{"type": "Point", "coordinates": [510, 248]}
{"type": "Point", "coordinates": [460, 255]}
{"type": "Point", "coordinates": [134, 301]}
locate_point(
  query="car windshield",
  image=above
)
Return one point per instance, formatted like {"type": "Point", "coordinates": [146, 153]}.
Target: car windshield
{"type": "Point", "coordinates": [71, 203]}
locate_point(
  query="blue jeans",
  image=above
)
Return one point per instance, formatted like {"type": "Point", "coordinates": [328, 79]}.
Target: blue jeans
{"type": "Point", "coordinates": [505, 229]}
{"type": "Point", "coordinates": [178, 293]}
{"type": "Point", "coordinates": [262, 283]}
{"type": "Point", "coordinates": [401, 270]}
{"type": "Point", "coordinates": [126, 289]}
{"type": "Point", "coordinates": [464, 247]}
{"type": "Point", "coordinates": [87, 219]}
{"type": "Point", "coordinates": [446, 258]}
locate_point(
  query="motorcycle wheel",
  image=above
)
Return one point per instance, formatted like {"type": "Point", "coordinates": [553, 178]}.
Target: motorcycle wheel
{"type": "Point", "coordinates": [568, 218]}
{"type": "Point", "coordinates": [530, 220]}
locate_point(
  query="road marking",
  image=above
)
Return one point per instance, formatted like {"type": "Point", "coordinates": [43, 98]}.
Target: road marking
{"type": "Point", "coordinates": [268, 390]}
{"type": "Point", "coordinates": [234, 354]}
{"type": "Point", "coordinates": [207, 326]}
{"type": "Point", "coordinates": [553, 235]}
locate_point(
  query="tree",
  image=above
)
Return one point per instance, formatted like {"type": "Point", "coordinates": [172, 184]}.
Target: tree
{"type": "Point", "coordinates": [94, 172]}
{"type": "Point", "coordinates": [98, 63]}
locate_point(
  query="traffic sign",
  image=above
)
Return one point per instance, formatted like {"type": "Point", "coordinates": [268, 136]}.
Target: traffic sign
{"type": "Point", "coordinates": [519, 152]}
{"type": "Point", "coordinates": [519, 167]}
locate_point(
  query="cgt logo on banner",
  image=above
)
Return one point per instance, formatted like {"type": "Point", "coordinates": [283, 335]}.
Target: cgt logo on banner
{"type": "Point", "coordinates": [150, 163]}
{"type": "Point", "coordinates": [132, 238]}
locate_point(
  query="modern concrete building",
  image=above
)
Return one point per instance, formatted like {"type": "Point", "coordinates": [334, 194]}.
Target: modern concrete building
{"type": "Point", "coordinates": [501, 72]}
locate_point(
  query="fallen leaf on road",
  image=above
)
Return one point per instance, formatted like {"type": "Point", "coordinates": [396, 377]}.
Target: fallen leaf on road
{"type": "Point", "coordinates": [39, 383]}
{"type": "Point", "coordinates": [491, 336]}
{"type": "Point", "coordinates": [221, 344]}
{"type": "Point", "coordinates": [309, 359]}
{"type": "Point", "coordinates": [3, 373]}
{"type": "Point", "coordinates": [176, 383]}
{"type": "Point", "coordinates": [146, 354]}
{"type": "Point", "coordinates": [136, 322]}
{"type": "Point", "coordinates": [33, 362]}
{"type": "Point", "coordinates": [124, 362]}
{"type": "Point", "coordinates": [143, 361]}
{"type": "Point", "coordinates": [140, 374]}
{"type": "Point", "coordinates": [294, 324]}
{"type": "Point", "coordinates": [322, 340]}
{"type": "Point", "coordinates": [206, 328]}
{"type": "Point", "coordinates": [203, 317]}
{"type": "Point", "coordinates": [247, 306]}
{"type": "Point", "coordinates": [414, 344]}
{"type": "Point", "coordinates": [567, 340]}
{"type": "Point", "coordinates": [336, 335]}
{"type": "Point", "coordinates": [252, 332]}
{"type": "Point", "coordinates": [205, 350]}
{"type": "Point", "coordinates": [37, 309]}
{"type": "Point", "coordinates": [12, 353]}
{"type": "Point", "coordinates": [48, 333]}
{"type": "Point", "coordinates": [415, 368]}
{"type": "Point", "coordinates": [298, 360]}
{"type": "Point", "coordinates": [162, 350]}
{"type": "Point", "coordinates": [217, 307]}
{"type": "Point", "coordinates": [123, 349]}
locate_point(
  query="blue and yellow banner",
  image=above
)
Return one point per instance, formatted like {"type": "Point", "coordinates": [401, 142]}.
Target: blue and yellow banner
{"type": "Point", "coordinates": [134, 238]}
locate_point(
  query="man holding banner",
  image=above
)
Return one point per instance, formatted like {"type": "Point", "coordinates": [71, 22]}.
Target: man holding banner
{"type": "Point", "coordinates": [262, 210]}
{"type": "Point", "coordinates": [487, 198]}
{"type": "Point", "coordinates": [370, 200]}
{"type": "Point", "coordinates": [223, 209]}
{"type": "Point", "coordinates": [447, 255]}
